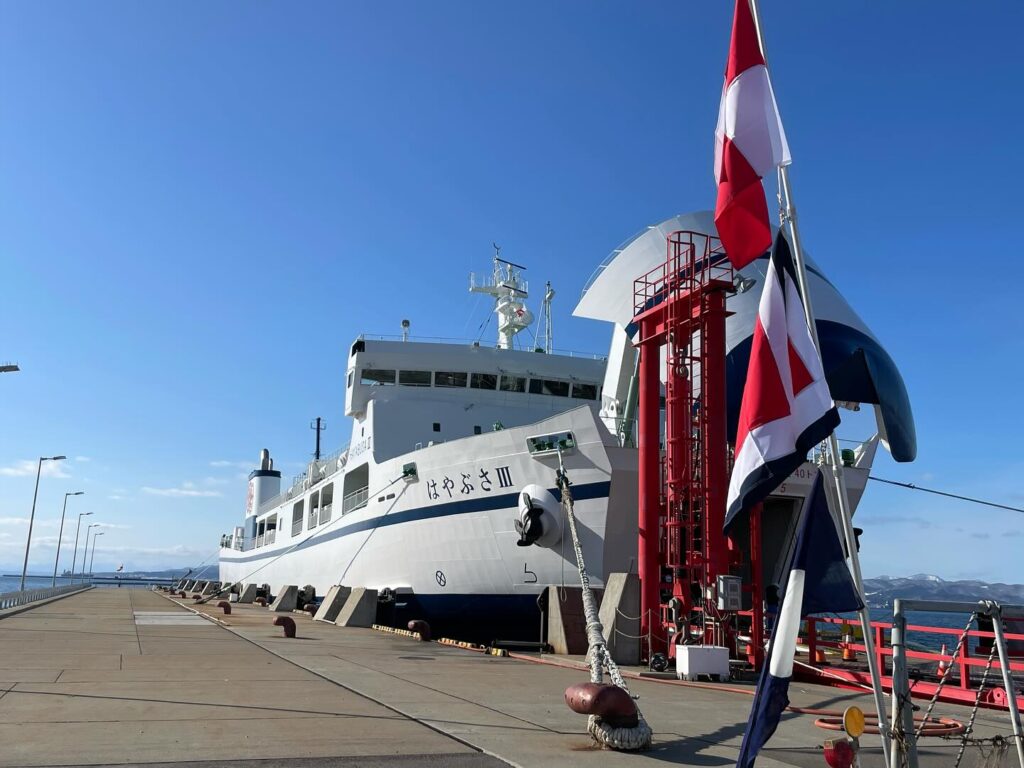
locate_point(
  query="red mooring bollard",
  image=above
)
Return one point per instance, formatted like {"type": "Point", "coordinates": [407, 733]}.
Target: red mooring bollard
{"type": "Point", "coordinates": [197, 598]}
{"type": "Point", "coordinates": [181, 594]}
{"type": "Point", "coordinates": [261, 601]}
{"type": "Point", "coordinates": [225, 606]}
{"type": "Point", "coordinates": [419, 625]}
{"type": "Point", "coordinates": [609, 702]}
{"type": "Point", "coordinates": [287, 623]}
{"type": "Point", "coordinates": [310, 608]}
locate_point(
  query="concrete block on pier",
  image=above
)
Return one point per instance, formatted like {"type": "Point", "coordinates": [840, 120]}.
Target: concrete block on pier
{"type": "Point", "coordinates": [360, 609]}
{"type": "Point", "coordinates": [567, 624]}
{"type": "Point", "coordinates": [248, 593]}
{"type": "Point", "coordinates": [333, 603]}
{"type": "Point", "coordinates": [211, 587]}
{"type": "Point", "coordinates": [620, 616]}
{"type": "Point", "coordinates": [199, 586]}
{"type": "Point", "coordinates": [189, 583]}
{"type": "Point", "coordinates": [286, 600]}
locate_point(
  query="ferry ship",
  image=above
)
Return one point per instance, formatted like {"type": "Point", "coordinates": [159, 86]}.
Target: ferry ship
{"type": "Point", "coordinates": [445, 501]}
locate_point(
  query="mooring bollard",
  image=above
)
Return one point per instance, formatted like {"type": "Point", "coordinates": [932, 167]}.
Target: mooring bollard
{"type": "Point", "coordinates": [609, 702]}
{"type": "Point", "coordinates": [261, 601]}
{"type": "Point", "coordinates": [287, 623]}
{"type": "Point", "coordinates": [310, 608]}
{"type": "Point", "coordinates": [419, 625]}
{"type": "Point", "coordinates": [226, 606]}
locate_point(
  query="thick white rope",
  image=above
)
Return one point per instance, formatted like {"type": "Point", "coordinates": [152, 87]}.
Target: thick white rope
{"type": "Point", "coordinates": [631, 739]}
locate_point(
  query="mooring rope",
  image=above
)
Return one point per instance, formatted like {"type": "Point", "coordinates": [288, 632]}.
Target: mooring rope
{"type": "Point", "coordinates": [632, 738]}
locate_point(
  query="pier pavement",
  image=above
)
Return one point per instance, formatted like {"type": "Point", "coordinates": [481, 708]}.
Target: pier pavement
{"type": "Point", "coordinates": [130, 676]}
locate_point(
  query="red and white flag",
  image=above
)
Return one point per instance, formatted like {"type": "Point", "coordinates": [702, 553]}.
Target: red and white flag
{"type": "Point", "coordinates": [786, 408]}
{"type": "Point", "coordinates": [749, 144]}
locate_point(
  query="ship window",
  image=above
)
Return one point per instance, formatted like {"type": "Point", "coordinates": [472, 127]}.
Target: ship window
{"type": "Point", "coordinates": [376, 377]}
{"type": "Point", "coordinates": [326, 502]}
{"type": "Point", "coordinates": [483, 381]}
{"type": "Point", "coordinates": [359, 346]}
{"type": "Point", "coordinates": [314, 510]}
{"type": "Point", "coordinates": [477, 430]}
{"type": "Point", "coordinates": [584, 391]}
{"type": "Point", "coordinates": [549, 387]}
{"type": "Point", "coordinates": [448, 379]}
{"type": "Point", "coordinates": [351, 375]}
{"type": "Point", "coordinates": [297, 518]}
{"type": "Point", "coordinates": [512, 383]}
{"type": "Point", "coordinates": [414, 378]}
{"type": "Point", "coordinates": [437, 426]}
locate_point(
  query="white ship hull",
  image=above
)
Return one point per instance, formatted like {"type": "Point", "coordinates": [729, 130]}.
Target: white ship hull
{"type": "Point", "coordinates": [451, 547]}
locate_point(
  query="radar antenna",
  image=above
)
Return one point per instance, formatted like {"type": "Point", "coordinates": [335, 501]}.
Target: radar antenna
{"type": "Point", "coordinates": [509, 290]}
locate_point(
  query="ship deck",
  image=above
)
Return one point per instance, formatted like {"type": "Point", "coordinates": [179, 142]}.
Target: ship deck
{"type": "Point", "coordinates": [117, 676]}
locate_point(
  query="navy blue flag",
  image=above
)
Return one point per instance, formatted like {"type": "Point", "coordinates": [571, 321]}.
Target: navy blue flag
{"type": "Point", "coordinates": [819, 582]}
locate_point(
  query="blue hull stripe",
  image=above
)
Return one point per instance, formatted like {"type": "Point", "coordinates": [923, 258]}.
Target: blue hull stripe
{"type": "Point", "coordinates": [583, 492]}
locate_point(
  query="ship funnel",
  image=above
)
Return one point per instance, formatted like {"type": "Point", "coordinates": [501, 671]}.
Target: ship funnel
{"type": "Point", "coordinates": [265, 459]}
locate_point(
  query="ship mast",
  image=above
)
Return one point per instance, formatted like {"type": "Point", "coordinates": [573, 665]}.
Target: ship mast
{"type": "Point", "coordinates": [509, 290]}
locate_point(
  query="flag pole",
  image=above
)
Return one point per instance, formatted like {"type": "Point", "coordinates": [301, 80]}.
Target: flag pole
{"type": "Point", "coordinates": [787, 216]}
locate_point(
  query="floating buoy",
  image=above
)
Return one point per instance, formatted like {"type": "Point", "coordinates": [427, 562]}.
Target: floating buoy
{"type": "Point", "coordinates": [421, 627]}
{"type": "Point", "coordinates": [287, 623]}
{"type": "Point", "coordinates": [609, 702]}
{"type": "Point", "coordinates": [225, 606]}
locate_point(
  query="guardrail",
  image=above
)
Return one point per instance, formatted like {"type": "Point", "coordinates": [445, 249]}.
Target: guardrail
{"type": "Point", "coordinates": [14, 599]}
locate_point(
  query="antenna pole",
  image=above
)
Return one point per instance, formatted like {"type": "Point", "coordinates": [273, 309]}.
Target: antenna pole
{"type": "Point", "coordinates": [319, 425]}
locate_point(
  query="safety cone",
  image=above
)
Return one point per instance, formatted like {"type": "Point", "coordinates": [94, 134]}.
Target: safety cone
{"type": "Point", "coordinates": [943, 664]}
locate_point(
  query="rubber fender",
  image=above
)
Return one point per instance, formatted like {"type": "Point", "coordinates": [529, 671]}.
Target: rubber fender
{"type": "Point", "coordinates": [419, 625]}
{"type": "Point", "coordinates": [609, 702]}
{"type": "Point", "coordinates": [261, 601]}
{"type": "Point", "coordinates": [287, 623]}
{"type": "Point", "coordinates": [225, 606]}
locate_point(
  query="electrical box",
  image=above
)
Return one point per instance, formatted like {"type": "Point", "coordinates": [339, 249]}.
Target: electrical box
{"type": "Point", "coordinates": [695, 660]}
{"type": "Point", "coordinates": [730, 593]}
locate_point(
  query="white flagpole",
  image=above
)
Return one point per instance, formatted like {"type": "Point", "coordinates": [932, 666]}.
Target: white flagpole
{"type": "Point", "coordinates": [787, 216]}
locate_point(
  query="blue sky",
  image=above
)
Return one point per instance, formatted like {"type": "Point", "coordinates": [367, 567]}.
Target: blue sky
{"type": "Point", "coordinates": [202, 205]}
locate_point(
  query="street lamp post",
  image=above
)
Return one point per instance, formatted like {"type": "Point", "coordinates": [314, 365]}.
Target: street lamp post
{"type": "Point", "coordinates": [74, 557]}
{"type": "Point", "coordinates": [98, 534]}
{"type": "Point", "coordinates": [60, 536]}
{"type": "Point", "coordinates": [85, 552]}
{"type": "Point", "coordinates": [32, 517]}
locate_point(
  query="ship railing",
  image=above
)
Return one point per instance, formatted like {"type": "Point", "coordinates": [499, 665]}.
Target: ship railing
{"type": "Point", "coordinates": [831, 636]}
{"type": "Point", "coordinates": [24, 597]}
{"type": "Point", "coordinates": [467, 342]}
{"type": "Point", "coordinates": [301, 482]}
{"type": "Point", "coordinates": [355, 500]}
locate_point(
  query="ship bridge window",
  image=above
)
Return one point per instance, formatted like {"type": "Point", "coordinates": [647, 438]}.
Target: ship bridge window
{"type": "Point", "coordinates": [549, 387]}
{"type": "Point", "coordinates": [326, 502]}
{"type": "Point", "coordinates": [359, 346]}
{"type": "Point", "coordinates": [376, 377]}
{"type": "Point", "coordinates": [297, 518]}
{"type": "Point", "coordinates": [351, 375]}
{"type": "Point", "coordinates": [483, 381]}
{"type": "Point", "coordinates": [512, 383]}
{"type": "Point", "coordinates": [584, 391]}
{"type": "Point", "coordinates": [414, 378]}
{"type": "Point", "coordinates": [450, 379]}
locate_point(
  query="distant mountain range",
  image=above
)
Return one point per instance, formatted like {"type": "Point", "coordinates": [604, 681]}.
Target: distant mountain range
{"type": "Point", "coordinates": [883, 590]}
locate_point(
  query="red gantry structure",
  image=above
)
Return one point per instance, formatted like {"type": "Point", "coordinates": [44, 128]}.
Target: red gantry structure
{"type": "Point", "coordinates": [679, 307]}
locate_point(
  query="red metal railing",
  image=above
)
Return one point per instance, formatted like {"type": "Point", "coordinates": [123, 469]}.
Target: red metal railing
{"type": "Point", "coordinates": [960, 686]}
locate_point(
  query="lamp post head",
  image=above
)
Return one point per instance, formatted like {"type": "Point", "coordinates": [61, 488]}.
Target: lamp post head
{"type": "Point", "coordinates": [76, 493]}
{"type": "Point", "coordinates": [54, 458]}
{"type": "Point", "coordinates": [83, 514]}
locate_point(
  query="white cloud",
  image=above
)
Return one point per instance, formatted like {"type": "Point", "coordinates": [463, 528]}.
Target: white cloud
{"type": "Point", "coordinates": [27, 468]}
{"type": "Point", "coordinates": [187, 490]}
{"type": "Point", "coordinates": [117, 497]}
{"type": "Point", "coordinates": [225, 463]}
{"type": "Point", "coordinates": [82, 458]}
{"type": "Point", "coordinates": [214, 481]}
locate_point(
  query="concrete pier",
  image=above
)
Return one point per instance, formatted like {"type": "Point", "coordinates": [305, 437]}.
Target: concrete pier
{"type": "Point", "coordinates": [115, 676]}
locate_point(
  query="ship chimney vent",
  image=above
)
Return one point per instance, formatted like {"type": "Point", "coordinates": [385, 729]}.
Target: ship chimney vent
{"type": "Point", "coordinates": [265, 459]}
